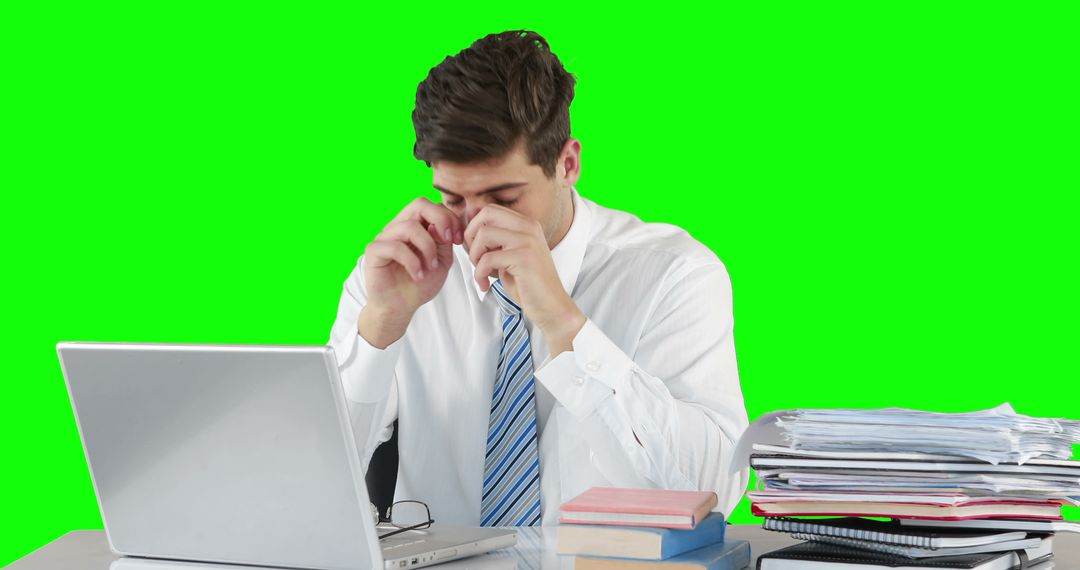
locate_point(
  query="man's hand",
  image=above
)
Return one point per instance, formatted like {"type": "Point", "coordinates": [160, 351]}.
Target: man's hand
{"type": "Point", "coordinates": [406, 267]}
{"type": "Point", "coordinates": [505, 244]}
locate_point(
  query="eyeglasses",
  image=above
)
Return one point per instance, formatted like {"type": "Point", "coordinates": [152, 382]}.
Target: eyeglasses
{"type": "Point", "coordinates": [405, 515]}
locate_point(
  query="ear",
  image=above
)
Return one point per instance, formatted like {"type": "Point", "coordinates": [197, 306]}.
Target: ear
{"type": "Point", "coordinates": [568, 168]}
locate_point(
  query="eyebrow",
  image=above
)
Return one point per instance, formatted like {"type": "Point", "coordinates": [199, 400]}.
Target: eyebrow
{"type": "Point", "coordinates": [506, 186]}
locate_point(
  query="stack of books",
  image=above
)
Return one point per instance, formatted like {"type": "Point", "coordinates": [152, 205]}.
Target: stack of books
{"type": "Point", "coordinates": [977, 490]}
{"type": "Point", "coordinates": [607, 528]}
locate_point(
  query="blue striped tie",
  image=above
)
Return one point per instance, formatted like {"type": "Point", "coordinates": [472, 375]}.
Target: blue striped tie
{"type": "Point", "coordinates": [512, 464]}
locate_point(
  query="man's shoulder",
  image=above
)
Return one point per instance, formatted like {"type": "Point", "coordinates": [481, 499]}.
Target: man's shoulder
{"type": "Point", "coordinates": [624, 235]}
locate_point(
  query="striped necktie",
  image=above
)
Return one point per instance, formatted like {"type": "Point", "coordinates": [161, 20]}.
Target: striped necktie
{"type": "Point", "coordinates": [512, 464]}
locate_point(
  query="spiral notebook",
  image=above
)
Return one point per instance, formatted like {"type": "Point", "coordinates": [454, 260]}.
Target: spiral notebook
{"type": "Point", "coordinates": [890, 532]}
{"type": "Point", "coordinates": [819, 556]}
{"type": "Point", "coordinates": [915, 552]}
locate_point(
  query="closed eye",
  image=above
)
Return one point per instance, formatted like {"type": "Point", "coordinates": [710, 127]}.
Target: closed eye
{"type": "Point", "coordinates": [459, 201]}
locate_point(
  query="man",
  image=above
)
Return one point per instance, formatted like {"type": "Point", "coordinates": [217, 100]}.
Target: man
{"type": "Point", "coordinates": [530, 343]}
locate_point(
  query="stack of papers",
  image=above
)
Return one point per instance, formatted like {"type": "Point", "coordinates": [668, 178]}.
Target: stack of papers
{"type": "Point", "coordinates": [782, 469]}
{"type": "Point", "coordinates": [986, 467]}
{"type": "Point", "coordinates": [998, 435]}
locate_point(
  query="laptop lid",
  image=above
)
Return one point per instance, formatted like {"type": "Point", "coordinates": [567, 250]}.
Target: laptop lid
{"type": "Point", "coordinates": [236, 454]}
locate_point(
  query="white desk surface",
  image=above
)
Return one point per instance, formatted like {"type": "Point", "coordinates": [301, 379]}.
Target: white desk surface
{"type": "Point", "coordinates": [88, 550]}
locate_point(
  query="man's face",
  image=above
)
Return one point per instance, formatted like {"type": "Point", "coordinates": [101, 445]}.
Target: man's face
{"type": "Point", "coordinates": [511, 181]}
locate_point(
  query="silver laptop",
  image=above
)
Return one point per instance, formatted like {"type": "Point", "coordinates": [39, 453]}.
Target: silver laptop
{"type": "Point", "coordinates": [236, 454]}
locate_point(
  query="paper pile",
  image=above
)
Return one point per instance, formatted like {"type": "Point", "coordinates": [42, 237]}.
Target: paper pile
{"type": "Point", "coordinates": [998, 435]}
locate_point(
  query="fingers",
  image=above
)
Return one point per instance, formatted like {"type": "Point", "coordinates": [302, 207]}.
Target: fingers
{"type": "Point", "coordinates": [411, 232]}
{"type": "Point", "coordinates": [491, 238]}
{"type": "Point", "coordinates": [444, 252]}
{"type": "Point", "coordinates": [383, 253]}
{"type": "Point", "coordinates": [492, 262]}
{"type": "Point", "coordinates": [496, 215]}
{"type": "Point", "coordinates": [449, 228]}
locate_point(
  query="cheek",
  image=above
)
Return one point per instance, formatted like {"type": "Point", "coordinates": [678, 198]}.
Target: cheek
{"type": "Point", "coordinates": [543, 217]}
{"type": "Point", "coordinates": [553, 218]}
{"type": "Point", "coordinates": [541, 210]}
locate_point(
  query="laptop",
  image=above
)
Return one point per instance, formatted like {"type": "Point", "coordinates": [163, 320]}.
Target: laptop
{"type": "Point", "coordinates": [238, 455]}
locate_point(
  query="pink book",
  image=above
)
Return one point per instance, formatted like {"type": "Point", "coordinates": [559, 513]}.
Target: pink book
{"type": "Point", "coordinates": [639, 507]}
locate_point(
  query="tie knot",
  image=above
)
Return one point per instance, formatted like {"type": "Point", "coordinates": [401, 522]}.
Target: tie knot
{"type": "Point", "coordinates": [509, 307]}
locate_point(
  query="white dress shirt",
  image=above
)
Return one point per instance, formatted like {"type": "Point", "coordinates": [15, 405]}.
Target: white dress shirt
{"type": "Point", "coordinates": [655, 363]}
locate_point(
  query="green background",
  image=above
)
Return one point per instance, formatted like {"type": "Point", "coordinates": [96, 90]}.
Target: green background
{"type": "Point", "coordinates": [894, 190]}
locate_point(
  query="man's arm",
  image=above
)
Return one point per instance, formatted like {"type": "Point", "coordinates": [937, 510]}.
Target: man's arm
{"type": "Point", "coordinates": [674, 411]}
{"type": "Point", "coordinates": [367, 373]}
{"type": "Point", "coordinates": [404, 267]}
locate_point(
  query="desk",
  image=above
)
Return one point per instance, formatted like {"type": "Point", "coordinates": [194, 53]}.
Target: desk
{"type": "Point", "coordinates": [88, 550]}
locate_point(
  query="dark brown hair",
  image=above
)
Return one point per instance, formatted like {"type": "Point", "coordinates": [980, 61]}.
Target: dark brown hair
{"type": "Point", "coordinates": [477, 104]}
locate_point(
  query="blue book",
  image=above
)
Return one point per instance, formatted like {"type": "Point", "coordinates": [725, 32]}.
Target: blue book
{"type": "Point", "coordinates": [729, 555]}
{"type": "Point", "coordinates": [640, 542]}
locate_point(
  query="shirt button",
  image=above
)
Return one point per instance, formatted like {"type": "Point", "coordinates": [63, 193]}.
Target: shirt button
{"type": "Point", "coordinates": [593, 366]}
{"type": "Point", "coordinates": [579, 380]}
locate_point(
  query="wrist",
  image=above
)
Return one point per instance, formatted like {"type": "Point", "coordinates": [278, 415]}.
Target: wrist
{"type": "Point", "coordinates": [381, 327]}
{"type": "Point", "coordinates": [561, 330]}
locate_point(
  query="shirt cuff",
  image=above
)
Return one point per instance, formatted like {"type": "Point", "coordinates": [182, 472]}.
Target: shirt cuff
{"type": "Point", "coordinates": [583, 378]}
{"type": "Point", "coordinates": [367, 372]}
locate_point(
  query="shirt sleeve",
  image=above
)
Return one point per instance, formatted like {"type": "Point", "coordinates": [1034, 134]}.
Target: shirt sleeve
{"type": "Point", "coordinates": [675, 407]}
{"type": "Point", "coordinates": [367, 373]}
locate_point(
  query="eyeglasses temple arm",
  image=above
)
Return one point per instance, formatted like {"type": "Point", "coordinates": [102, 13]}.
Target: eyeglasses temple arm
{"type": "Point", "coordinates": [401, 530]}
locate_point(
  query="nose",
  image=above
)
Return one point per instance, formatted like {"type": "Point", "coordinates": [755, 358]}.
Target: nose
{"type": "Point", "coordinates": [471, 210]}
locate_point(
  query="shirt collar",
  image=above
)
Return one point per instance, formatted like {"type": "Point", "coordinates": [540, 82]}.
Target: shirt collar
{"type": "Point", "coordinates": [567, 254]}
